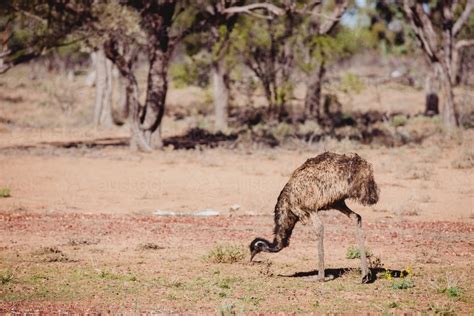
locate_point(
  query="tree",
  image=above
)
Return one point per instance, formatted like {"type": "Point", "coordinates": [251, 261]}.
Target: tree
{"type": "Point", "coordinates": [437, 26]}
{"type": "Point", "coordinates": [160, 28]}
{"type": "Point", "coordinates": [319, 26]}
{"type": "Point", "coordinates": [266, 46]}
{"type": "Point", "coordinates": [31, 28]}
{"type": "Point", "coordinates": [220, 18]}
{"type": "Point", "coordinates": [103, 88]}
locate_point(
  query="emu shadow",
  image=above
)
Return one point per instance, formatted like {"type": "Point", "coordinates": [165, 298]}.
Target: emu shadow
{"type": "Point", "coordinates": [339, 272]}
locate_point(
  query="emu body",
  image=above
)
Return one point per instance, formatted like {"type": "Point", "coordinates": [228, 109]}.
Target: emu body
{"type": "Point", "coordinates": [322, 183]}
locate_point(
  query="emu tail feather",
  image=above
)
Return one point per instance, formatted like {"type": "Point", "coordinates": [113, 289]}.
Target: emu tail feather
{"type": "Point", "coordinates": [370, 194]}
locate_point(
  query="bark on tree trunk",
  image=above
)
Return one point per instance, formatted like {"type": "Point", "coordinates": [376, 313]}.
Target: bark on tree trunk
{"type": "Point", "coordinates": [124, 57]}
{"type": "Point", "coordinates": [431, 96]}
{"type": "Point", "coordinates": [157, 88]}
{"type": "Point", "coordinates": [121, 111]}
{"type": "Point", "coordinates": [449, 116]}
{"type": "Point", "coordinates": [103, 88]}
{"type": "Point", "coordinates": [312, 105]}
{"type": "Point", "coordinates": [220, 91]}
{"type": "Point", "coordinates": [270, 99]}
{"type": "Point", "coordinates": [138, 140]}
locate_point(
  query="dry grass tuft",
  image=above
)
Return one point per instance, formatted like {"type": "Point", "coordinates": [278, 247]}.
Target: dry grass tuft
{"type": "Point", "coordinates": [225, 254]}
{"type": "Point", "coordinates": [464, 161]}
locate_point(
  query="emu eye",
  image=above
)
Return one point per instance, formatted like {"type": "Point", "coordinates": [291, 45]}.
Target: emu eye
{"type": "Point", "coordinates": [259, 244]}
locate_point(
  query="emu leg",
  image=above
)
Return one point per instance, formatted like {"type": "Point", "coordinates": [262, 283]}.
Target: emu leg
{"type": "Point", "coordinates": [318, 224]}
{"type": "Point", "coordinates": [357, 219]}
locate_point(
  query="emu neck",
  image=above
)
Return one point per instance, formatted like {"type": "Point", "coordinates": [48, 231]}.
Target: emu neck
{"type": "Point", "coordinates": [285, 221]}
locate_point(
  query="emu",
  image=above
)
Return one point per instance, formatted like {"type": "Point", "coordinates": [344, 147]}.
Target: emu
{"type": "Point", "coordinates": [322, 183]}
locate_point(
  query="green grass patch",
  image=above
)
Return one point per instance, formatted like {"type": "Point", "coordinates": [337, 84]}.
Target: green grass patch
{"type": "Point", "coordinates": [402, 284]}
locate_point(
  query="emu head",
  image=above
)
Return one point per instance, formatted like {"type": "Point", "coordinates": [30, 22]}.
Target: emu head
{"type": "Point", "coordinates": [258, 245]}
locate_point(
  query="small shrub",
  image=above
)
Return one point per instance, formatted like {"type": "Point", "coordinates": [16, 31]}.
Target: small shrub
{"type": "Point", "coordinates": [412, 212]}
{"type": "Point", "coordinates": [228, 309]}
{"type": "Point", "coordinates": [225, 254]}
{"type": "Point", "coordinates": [150, 246]}
{"type": "Point", "coordinates": [449, 285]}
{"type": "Point", "coordinates": [4, 192]}
{"type": "Point", "coordinates": [351, 83]}
{"type": "Point", "coordinates": [6, 277]}
{"type": "Point", "coordinates": [282, 131]}
{"type": "Point", "coordinates": [399, 120]}
{"type": "Point", "coordinates": [354, 253]}
{"type": "Point", "coordinates": [454, 291]}
{"type": "Point", "coordinates": [402, 284]}
{"type": "Point", "coordinates": [464, 161]}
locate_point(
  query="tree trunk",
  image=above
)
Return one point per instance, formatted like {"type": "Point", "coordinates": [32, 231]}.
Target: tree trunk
{"type": "Point", "coordinates": [121, 111]}
{"type": "Point", "coordinates": [220, 89]}
{"type": "Point", "coordinates": [312, 105]}
{"type": "Point", "coordinates": [124, 57]}
{"type": "Point", "coordinates": [431, 99]}
{"type": "Point", "coordinates": [267, 88]}
{"type": "Point", "coordinates": [449, 116]}
{"type": "Point", "coordinates": [157, 88]}
{"type": "Point", "coordinates": [103, 89]}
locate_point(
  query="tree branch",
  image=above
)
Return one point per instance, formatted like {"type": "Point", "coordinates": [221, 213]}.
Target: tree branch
{"type": "Point", "coordinates": [464, 43]}
{"type": "Point", "coordinates": [423, 28]}
{"type": "Point", "coordinates": [464, 17]}
{"type": "Point", "coordinates": [255, 6]}
{"type": "Point", "coordinates": [328, 25]}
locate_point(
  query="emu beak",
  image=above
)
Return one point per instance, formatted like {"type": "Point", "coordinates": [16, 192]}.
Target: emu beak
{"type": "Point", "coordinates": [252, 255]}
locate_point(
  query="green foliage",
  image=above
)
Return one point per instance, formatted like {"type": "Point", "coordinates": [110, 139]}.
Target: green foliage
{"type": "Point", "coordinates": [399, 120]}
{"type": "Point", "coordinates": [225, 254]}
{"type": "Point", "coordinates": [454, 291]}
{"type": "Point", "coordinates": [282, 131]}
{"type": "Point", "coordinates": [405, 280]}
{"type": "Point", "coordinates": [402, 284]}
{"type": "Point", "coordinates": [352, 252]}
{"type": "Point", "coordinates": [192, 71]}
{"type": "Point", "coordinates": [34, 27]}
{"type": "Point", "coordinates": [4, 192]}
{"type": "Point", "coordinates": [387, 26]}
{"type": "Point", "coordinates": [351, 83]}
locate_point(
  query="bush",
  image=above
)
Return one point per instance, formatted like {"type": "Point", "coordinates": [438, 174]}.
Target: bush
{"type": "Point", "coordinates": [4, 192]}
{"type": "Point", "coordinates": [399, 120]}
{"type": "Point", "coordinates": [354, 253]}
{"type": "Point", "coordinates": [225, 254]}
{"type": "Point", "coordinates": [6, 277]}
{"type": "Point", "coordinates": [464, 161]}
{"type": "Point", "coordinates": [402, 284]}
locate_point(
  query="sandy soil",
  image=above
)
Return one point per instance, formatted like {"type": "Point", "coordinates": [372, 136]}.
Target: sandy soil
{"type": "Point", "coordinates": [79, 234]}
